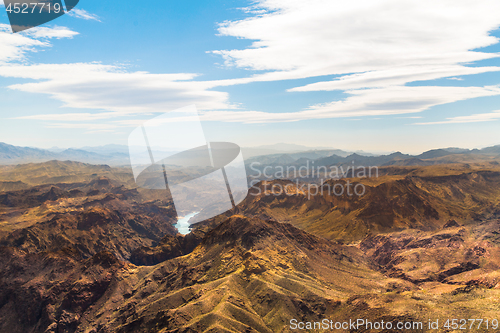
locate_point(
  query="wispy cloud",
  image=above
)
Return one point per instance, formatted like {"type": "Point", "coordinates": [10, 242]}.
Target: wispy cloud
{"type": "Point", "coordinates": [47, 33]}
{"type": "Point", "coordinates": [398, 100]}
{"type": "Point", "coordinates": [89, 127]}
{"type": "Point", "coordinates": [83, 14]}
{"type": "Point", "coordinates": [475, 118]}
{"type": "Point", "coordinates": [393, 77]}
{"type": "Point", "coordinates": [77, 116]}
{"type": "Point", "coordinates": [402, 39]}
{"type": "Point", "coordinates": [364, 102]}
{"type": "Point", "coordinates": [112, 88]}
{"type": "Point", "coordinates": [15, 47]}
{"type": "Point", "coordinates": [371, 46]}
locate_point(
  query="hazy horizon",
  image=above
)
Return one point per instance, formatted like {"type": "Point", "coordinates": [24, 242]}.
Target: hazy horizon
{"type": "Point", "coordinates": [269, 147]}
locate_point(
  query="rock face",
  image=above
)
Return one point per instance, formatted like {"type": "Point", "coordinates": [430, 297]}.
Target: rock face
{"type": "Point", "coordinates": [90, 217]}
{"type": "Point", "coordinates": [453, 256]}
{"type": "Point", "coordinates": [391, 203]}
{"type": "Point", "coordinates": [451, 224]}
{"type": "Point", "coordinates": [168, 248]}
{"type": "Point", "coordinates": [49, 292]}
{"type": "Point", "coordinates": [240, 271]}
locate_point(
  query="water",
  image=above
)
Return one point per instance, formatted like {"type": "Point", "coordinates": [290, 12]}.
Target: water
{"type": "Point", "coordinates": [182, 224]}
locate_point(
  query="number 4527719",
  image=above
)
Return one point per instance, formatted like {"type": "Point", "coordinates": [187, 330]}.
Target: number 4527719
{"type": "Point", "coordinates": [33, 7]}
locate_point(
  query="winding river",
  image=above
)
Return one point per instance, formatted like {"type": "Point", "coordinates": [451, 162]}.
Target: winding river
{"type": "Point", "coordinates": [182, 224]}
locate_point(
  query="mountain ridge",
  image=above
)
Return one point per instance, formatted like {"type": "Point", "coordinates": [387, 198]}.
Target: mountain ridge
{"type": "Point", "coordinates": [119, 154]}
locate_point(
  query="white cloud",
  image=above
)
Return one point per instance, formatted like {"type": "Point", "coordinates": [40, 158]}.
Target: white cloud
{"type": "Point", "coordinates": [393, 77]}
{"type": "Point", "coordinates": [475, 118]}
{"type": "Point", "coordinates": [111, 88]}
{"type": "Point", "coordinates": [88, 127]}
{"type": "Point", "coordinates": [55, 32]}
{"type": "Point", "coordinates": [365, 102]}
{"type": "Point", "coordinates": [70, 116]}
{"type": "Point", "coordinates": [14, 47]}
{"type": "Point", "coordinates": [123, 96]}
{"type": "Point", "coordinates": [373, 47]}
{"type": "Point", "coordinates": [83, 14]}
{"type": "Point", "coordinates": [398, 100]}
{"type": "Point", "coordinates": [299, 39]}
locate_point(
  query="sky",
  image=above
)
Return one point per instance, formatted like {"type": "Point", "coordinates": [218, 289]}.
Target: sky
{"type": "Point", "coordinates": [376, 75]}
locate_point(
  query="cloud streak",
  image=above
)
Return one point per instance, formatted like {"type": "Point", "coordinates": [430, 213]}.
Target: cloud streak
{"type": "Point", "coordinates": [364, 103]}
{"type": "Point", "coordinates": [83, 14]}
{"type": "Point", "coordinates": [404, 40]}
{"type": "Point", "coordinates": [112, 88]}
{"type": "Point", "coordinates": [15, 47]}
{"type": "Point", "coordinates": [48, 33]}
{"type": "Point", "coordinates": [393, 77]}
{"type": "Point", "coordinates": [475, 118]}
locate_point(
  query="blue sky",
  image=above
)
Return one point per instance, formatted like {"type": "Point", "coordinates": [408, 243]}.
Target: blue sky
{"type": "Point", "coordinates": [380, 75]}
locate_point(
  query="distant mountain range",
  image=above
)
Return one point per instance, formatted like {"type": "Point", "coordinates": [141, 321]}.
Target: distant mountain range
{"type": "Point", "coordinates": [115, 155]}
{"type": "Point", "coordinates": [16, 155]}
{"type": "Point", "coordinates": [333, 157]}
{"type": "Point", "coordinates": [286, 148]}
{"type": "Point", "coordinates": [279, 154]}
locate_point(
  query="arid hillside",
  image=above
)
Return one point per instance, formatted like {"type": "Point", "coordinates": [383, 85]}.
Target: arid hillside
{"type": "Point", "coordinates": [84, 250]}
{"type": "Point", "coordinates": [423, 198]}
